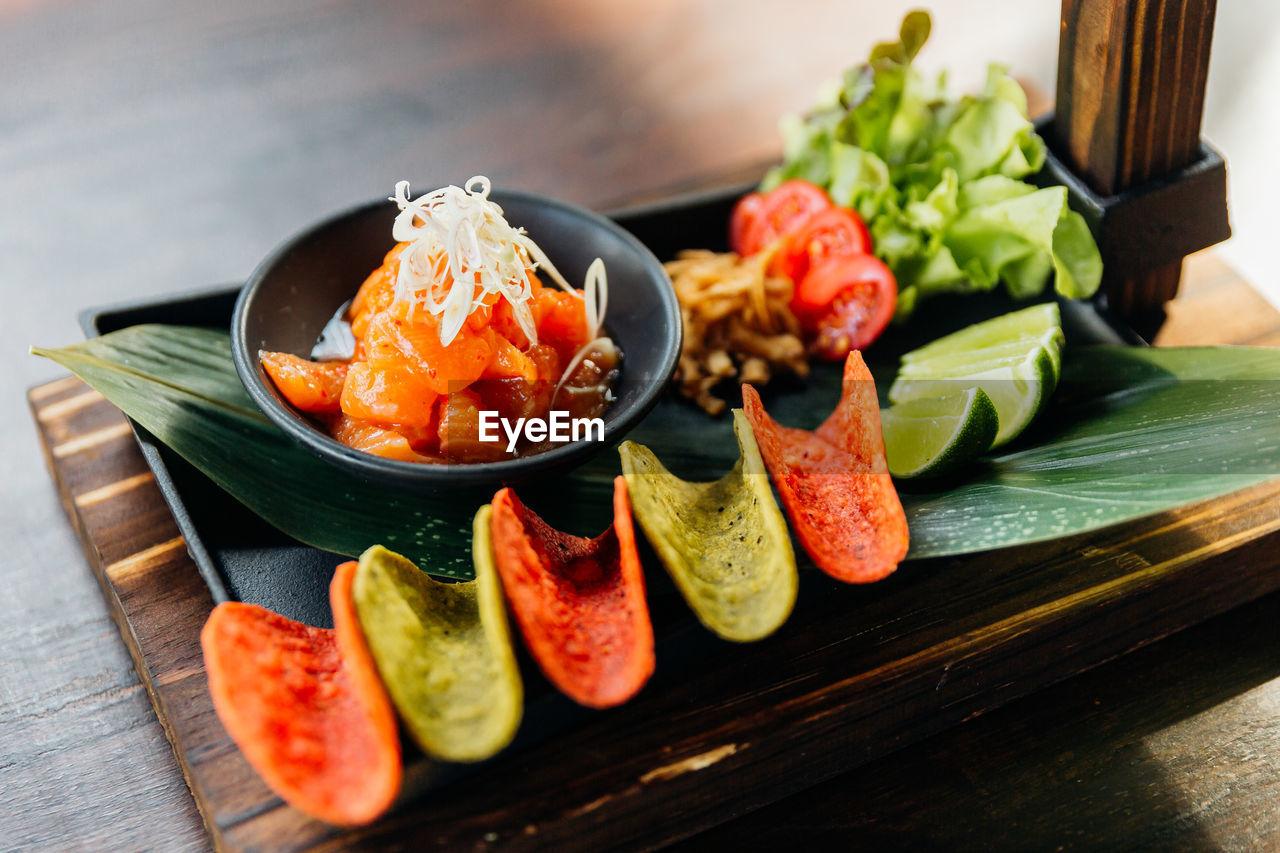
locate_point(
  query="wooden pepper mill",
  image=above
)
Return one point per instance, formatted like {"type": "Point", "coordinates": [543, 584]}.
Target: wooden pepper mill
{"type": "Point", "coordinates": [1125, 140]}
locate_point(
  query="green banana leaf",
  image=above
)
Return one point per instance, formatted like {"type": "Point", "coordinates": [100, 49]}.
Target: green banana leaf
{"type": "Point", "coordinates": [180, 384]}
{"type": "Point", "coordinates": [1131, 432]}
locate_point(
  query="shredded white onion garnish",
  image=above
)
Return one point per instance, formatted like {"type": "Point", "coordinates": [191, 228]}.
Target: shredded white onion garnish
{"type": "Point", "coordinates": [458, 230]}
{"type": "Point", "coordinates": [604, 344]}
{"type": "Point", "coordinates": [595, 289]}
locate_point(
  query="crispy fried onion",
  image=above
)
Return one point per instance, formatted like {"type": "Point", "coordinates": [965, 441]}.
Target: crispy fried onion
{"type": "Point", "coordinates": [737, 323]}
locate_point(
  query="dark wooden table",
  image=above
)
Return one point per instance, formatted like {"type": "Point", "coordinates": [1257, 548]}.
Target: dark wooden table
{"type": "Point", "coordinates": [149, 147]}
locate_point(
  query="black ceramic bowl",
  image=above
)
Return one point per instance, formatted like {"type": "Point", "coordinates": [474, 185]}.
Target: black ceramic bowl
{"type": "Point", "coordinates": [300, 286]}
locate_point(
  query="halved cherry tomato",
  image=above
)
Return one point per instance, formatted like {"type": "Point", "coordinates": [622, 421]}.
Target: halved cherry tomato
{"type": "Point", "coordinates": [783, 209]}
{"type": "Point", "coordinates": [745, 213]}
{"type": "Point", "coordinates": [834, 232]}
{"type": "Point", "coordinates": [844, 304]}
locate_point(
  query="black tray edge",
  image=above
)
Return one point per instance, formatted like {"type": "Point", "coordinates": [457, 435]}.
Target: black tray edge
{"type": "Point", "coordinates": [91, 323]}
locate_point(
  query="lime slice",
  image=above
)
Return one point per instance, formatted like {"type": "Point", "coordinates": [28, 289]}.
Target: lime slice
{"type": "Point", "coordinates": [959, 361]}
{"type": "Point", "coordinates": [931, 437]}
{"type": "Point", "coordinates": [981, 361]}
{"type": "Point", "coordinates": [1015, 359]}
{"type": "Point", "coordinates": [1018, 387]}
{"type": "Point", "coordinates": [1030, 322]}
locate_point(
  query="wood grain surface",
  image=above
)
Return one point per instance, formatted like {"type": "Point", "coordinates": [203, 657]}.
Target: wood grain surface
{"type": "Point", "coordinates": [850, 679]}
{"type": "Point", "coordinates": [1131, 84]}
{"type": "Point", "coordinates": [1130, 95]}
{"type": "Point", "coordinates": [1171, 748]}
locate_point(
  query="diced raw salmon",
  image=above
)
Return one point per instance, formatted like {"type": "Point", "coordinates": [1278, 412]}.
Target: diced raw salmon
{"type": "Point", "coordinates": [562, 321]}
{"type": "Point", "coordinates": [312, 386]}
{"type": "Point", "coordinates": [389, 394]}
{"type": "Point", "coordinates": [459, 430]}
{"type": "Point", "coordinates": [391, 340]}
{"type": "Point", "coordinates": [371, 438]}
{"type": "Point", "coordinates": [507, 361]}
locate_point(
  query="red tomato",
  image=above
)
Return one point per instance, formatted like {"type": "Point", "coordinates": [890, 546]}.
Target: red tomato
{"type": "Point", "coordinates": [745, 213]}
{"type": "Point", "coordinates": [783, 209]}
{"type": "Point", "coordinates": [834, 232]}
{"type": "Point", "coordinates": [844, 304]}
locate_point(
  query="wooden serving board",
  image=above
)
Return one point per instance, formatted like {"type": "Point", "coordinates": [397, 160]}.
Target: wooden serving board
{"type": "Point", "coordinates": [855, 674]}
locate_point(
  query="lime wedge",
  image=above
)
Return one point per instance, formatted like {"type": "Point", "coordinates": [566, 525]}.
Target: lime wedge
{"type": "Point", "coordinates": [1030, 323]}
{"type": "Point", "coordinates": [932, 437]}
{"type": "Point", "coordinates": [1015, 359]}
{"type": "Point", "coordinates": [1018, 386]}
{"type": "Point", "coordinates": [960, 361]}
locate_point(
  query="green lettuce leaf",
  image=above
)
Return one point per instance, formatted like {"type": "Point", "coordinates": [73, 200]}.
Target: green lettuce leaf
{"type": "Point", "coordinates": [939, 180]}
{"type": "Point", "coordinates": [859, 179]}
{"type": "Point", "coordinates": [1022, 238]}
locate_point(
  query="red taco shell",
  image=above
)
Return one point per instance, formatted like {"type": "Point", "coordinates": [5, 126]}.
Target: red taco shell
{"type": "Point", "coordinates": [834, 482]}
{"type": "Point", "coordinates": [306, 707]}
{"type": "Point", "coordinates": [580, 603]}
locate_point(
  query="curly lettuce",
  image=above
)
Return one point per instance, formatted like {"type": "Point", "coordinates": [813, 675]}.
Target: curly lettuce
{"type": "Point", "coordinates": [939, 180]}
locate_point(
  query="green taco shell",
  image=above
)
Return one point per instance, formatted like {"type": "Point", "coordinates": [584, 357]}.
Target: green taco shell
{"type": "Point", "coordinates": [725, 543]}
{"type": "Point", "coordinates": [443, 650]}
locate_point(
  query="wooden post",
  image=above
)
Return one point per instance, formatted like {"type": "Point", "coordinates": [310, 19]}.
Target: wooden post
{"type": "Point", "coordinates": [1131, 81]}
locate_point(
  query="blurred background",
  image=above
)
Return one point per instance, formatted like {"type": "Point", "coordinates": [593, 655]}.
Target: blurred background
{"type": "Point", "coordinates": [149, 146]}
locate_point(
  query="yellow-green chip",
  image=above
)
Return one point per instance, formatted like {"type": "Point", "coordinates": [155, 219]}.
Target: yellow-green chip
{"type": "Point", "coordinates": [725, 543]}
{"type": "Point", "coordinates": [443, 650]}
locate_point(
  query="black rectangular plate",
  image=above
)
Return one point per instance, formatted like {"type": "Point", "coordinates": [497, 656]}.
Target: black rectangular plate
{"type": "Point", "coordinates": [242, 558]}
